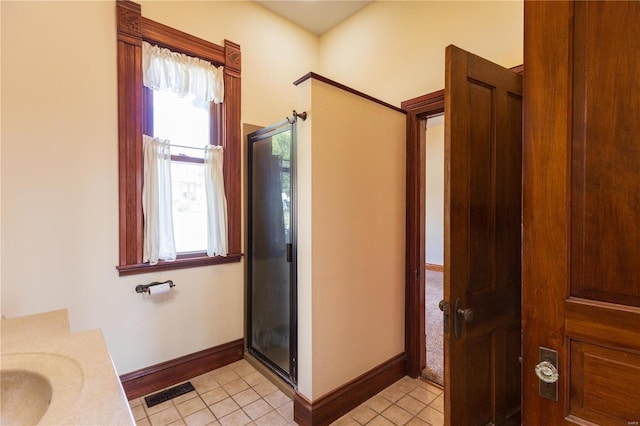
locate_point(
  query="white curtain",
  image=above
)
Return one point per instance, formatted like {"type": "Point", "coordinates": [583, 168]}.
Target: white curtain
{"type": "Point", "coordinates": [163, 69]}
{"type": "Point", "coordinates": [217, 229]}
{"type": "Point", "coordinates": [158, 240]}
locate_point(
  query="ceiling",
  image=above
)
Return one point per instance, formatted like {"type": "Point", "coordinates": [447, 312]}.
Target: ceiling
{"type": "Point", "coordinates": [317, 16]}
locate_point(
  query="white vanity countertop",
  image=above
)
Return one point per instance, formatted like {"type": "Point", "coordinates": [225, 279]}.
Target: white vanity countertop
{"type": "Point", "coordinates": [41, 339]}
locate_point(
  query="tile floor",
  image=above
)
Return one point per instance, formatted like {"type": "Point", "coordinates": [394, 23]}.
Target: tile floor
{"type": "Point", "coordinates": [238, 395]}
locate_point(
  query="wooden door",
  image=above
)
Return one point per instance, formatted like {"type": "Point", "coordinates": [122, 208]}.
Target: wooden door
{"type": "Point", "coordinates": [581, 224]}
{"type": "Point", "coordinates": [483, 154]}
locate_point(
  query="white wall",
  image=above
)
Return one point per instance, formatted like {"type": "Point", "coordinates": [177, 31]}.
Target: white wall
{"type": "Point", "coordinates": [434, 191]}
{"type": "Point", "coordinates": [60, 170]}
{"type": "Point", "coordinates": [394, 50]}
{"type": "Point", "coordinates": [352, 236]}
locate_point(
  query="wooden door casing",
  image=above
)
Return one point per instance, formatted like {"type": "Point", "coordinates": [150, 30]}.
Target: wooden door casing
{"type": "Point", "coordinates": [418, 110]}
{"type": "Point", "coordinates": [483, 142]}
{"type": "Point", "coordinates": [581, 199]}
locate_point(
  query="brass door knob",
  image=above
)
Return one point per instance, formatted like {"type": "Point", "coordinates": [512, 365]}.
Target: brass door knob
{"type": "Point", "coordinates": [461, 316]}
{"type": "Point", "coordinates": [467, 314]}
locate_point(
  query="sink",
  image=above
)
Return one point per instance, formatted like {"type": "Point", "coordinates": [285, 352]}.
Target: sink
{"type": "Point", "coordinates": [25, 397]}
{"type": "Point", "coordinates": [37, 387]}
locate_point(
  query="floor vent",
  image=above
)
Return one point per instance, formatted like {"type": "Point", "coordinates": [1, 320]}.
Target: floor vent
{"type": "Point", "coordinates": [167, 394]}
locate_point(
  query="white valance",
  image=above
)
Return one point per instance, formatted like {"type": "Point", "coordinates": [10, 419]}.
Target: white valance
{"type": "Point", "coordinates": [163, 70]}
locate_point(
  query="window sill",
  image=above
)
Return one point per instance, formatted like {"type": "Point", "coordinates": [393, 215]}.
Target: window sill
{"type": "Point", "coordinates": [188, 261]}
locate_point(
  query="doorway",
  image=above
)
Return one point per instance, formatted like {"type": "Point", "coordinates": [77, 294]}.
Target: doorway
{"type": "Point", "coordinates": [434, 248]}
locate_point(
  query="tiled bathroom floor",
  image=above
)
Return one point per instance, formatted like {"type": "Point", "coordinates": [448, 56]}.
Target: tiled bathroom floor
{"type": "Point", "coordinates": [238, 395]}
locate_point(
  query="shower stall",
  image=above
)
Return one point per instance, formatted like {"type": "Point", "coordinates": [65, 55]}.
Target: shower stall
{"type": "Point", "coordinates": [271, 260]}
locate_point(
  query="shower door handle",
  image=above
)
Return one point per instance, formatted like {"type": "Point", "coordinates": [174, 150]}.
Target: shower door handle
{"type": "Point", "coordinates": [289, 253]}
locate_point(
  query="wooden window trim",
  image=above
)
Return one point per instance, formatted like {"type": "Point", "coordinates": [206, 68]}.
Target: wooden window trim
{"type": "Point", "coordinates": [133, 28]}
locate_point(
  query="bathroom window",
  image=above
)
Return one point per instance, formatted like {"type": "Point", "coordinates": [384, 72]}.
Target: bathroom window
{"type": "Point", "coordinates": [184, 122]}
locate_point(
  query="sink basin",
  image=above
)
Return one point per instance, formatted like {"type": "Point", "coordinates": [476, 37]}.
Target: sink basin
{"type": "Point", "coordinates": [25, 397]}
{"type": "Point", "coordinates": [37, 387]}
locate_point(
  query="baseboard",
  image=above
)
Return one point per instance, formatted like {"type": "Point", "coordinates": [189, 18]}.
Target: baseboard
{"type": "Point", "coordinates": [150, 379]}
{"type": "Point", "coordinates": [302, 410]}
{"type": "Point", "coordinates": [340, 401]}
{"type": "Point", "coordinates": [434, 267]}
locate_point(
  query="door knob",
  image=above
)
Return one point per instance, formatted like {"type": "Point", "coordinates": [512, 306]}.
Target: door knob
{"type": "Point", "coordinates": [467, 314]}
{"type": "Point", "coordinates": [547, 372]}
{"type": "Point", "coordinates": [441, 305]}
{"type": "Point", "coordinates": [460, 317]}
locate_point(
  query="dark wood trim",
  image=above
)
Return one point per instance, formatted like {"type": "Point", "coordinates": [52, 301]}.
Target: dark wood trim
{"type": "Point", "coordinates": [144, 381]}
{"type": "Point", "coordinates": [129, 134]}
{"type": "Point", "coordinates": [425, 105]}
{"type": "Point", "coordinates": [129, 18]}
{"type": "Point", "coordinates": [180, 263]}
{"type": "Point", "coordinates": [518, 69]}
{"type": "Point", "coordinates": [346, 89]}
{"type": "Point", "coordinates": [417, 110]}
{"type": "Point", "coordinates": [340, 401]}
{"type": "Point", "coordinates": [232, 58]}
{"type": "Point", "coordinates": [302, 410]}
{"type": "Point", "coordinates": [232, 143]}
{"type": "Point", "coordinates": [133, 118]}
{"type": "Point", "coordinates": [434, 267]}
{"type": "Point", "coordinates": [178, 41]}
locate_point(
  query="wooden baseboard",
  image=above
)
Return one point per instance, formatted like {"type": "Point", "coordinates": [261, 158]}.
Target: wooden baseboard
{"type": "Point", "coordinates": [347, 397]}
{"type": "Point", "coordinates": [150, 379]}
{"type": "Point", "coordinates": [434, 267]}
{"type": "Point", "coordinates": [302, 410]}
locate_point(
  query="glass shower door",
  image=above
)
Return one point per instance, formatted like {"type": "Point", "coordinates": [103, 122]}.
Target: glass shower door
{"type": "Point", "coordinates": [271, 261]}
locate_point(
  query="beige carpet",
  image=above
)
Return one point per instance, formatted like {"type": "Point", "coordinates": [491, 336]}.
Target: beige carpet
{"type": "Point", "coordinates": [433, 327]}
